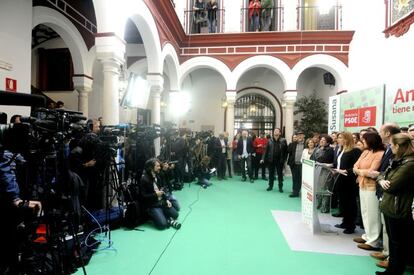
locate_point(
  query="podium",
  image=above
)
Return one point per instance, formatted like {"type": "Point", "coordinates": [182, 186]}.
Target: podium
{"type": "Point", "coordinates": [309, 189]}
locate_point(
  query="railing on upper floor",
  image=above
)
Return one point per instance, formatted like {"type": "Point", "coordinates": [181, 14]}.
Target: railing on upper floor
{"type": "Point", "coordinates": [270, 19]}
{"type": "Point", "coordinates": [72, 13]}
{"type": "Point", "coordinates": [317, 18]}
{"type": "Point", "coordinates": [204, 21]}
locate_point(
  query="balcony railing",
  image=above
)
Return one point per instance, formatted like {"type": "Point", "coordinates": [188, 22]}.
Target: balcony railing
{"type": "Point", "coordinates": [204, 21]}
{"type": "Point", "coordinates": [267, 20]}
{"type": "Point", "coordinates": [317, 18]}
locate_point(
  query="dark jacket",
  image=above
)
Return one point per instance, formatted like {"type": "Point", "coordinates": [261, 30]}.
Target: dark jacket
{"type": "Point", "coordinates": [397, 200]}
{"type": "Point", "coordinates": [385, 162]}
{"type": "Point", "coordinates": [291, 151]}
{"type": "Point", "coordinates": [212, 13]}
{"type": "Point", "coordinates": [249, 146]}
{"type": "Point", "coordinates": [348, 160]}
{"type": "Point", "coordinates": [270, 156]}
{"type": "Point", "coordinates": [323, 154]}
{"type": "Point", "coordinates": [148, 196]}
{"type": "Point", "coordinates": [217, 146]}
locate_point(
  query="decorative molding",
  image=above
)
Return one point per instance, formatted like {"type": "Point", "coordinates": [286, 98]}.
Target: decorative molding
{"type": "Point", "coordinates": [401, 27]}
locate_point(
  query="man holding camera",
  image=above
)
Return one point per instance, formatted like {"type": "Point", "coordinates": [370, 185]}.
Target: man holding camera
{"type": "Point", "coordinates": [159, 207]}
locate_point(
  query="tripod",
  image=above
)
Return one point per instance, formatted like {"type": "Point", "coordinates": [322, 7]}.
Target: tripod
{"type": "Point", "coordinates": [113, 188]}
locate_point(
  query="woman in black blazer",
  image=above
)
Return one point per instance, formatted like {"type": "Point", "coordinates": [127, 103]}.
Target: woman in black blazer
{"type": "Point", "coordinates": [346, 182]}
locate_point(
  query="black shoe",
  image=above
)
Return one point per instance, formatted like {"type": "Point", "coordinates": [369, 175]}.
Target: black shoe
{"type": "Point", "coordinates": [251, 181]}
{"type": "Point", "coordinates": [340, 225]}
{"type": "Point", "coordinates": [264, 178]}
{"type": "Point", "coordinates": [337, 215]}
{"type": "Point", "coordinates": [244, 179]}
{"type": "Point", "coordinates": [349, 231]}
{"type": "Point", "coordinates": [269, 188]}
{"type": "Point", "coordinates": [293, 195]}
{"type": "Point", "coordinates": [382, 273]}
{"type": "Point", "coordinates": [230, 177]}
{"type": "Point", "coordinates": [280, 190]}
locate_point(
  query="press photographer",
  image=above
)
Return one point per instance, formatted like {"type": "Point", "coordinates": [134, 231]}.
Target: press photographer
{"type": "Point", "coordinates": [156, 203]}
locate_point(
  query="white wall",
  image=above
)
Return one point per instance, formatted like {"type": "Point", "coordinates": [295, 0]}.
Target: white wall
{"type": "Point", "coordinates": [207, 89]}
{"type": "Point", "coordinates": [16, 38]}
{"type": "Point", "coordinates": [374, 59]}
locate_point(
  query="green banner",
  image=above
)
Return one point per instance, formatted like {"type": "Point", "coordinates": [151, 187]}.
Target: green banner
{"type": "Point", "coordinates": [362, 109]}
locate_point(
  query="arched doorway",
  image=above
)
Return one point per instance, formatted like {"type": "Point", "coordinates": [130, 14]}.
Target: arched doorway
{"type": "Point", "coordinates": [255, 113]}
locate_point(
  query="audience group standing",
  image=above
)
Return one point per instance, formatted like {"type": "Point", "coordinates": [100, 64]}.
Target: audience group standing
{"type": "Point", "coordinates": [373, 175]}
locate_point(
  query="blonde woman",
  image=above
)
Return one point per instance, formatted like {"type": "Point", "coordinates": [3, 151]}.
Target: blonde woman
{"type": "Point", "coordinates": [370, 160]}
{"type": "Point", "coordinates": [347, 189]}
{"type": "Point", "coordinates": [308, 151]}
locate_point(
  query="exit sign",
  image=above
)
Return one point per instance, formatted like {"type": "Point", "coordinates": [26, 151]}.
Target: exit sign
{"type": "Point", "coordinates": [11, 85]}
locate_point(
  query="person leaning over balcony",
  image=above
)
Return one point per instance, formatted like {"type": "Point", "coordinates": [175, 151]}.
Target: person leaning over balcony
{"type": "Point", "coordinates": [199, 14]}
{"type": "Point", "coordinates": [212, 8]}
{"type": "Point", "coordinates": [254, 15]}
{"type": "Point", "coordinates": [398, 185]}
{"type": "Point", "coordinates": [370, 160]}
{"type": "Point", "coordinates": [267, 9]}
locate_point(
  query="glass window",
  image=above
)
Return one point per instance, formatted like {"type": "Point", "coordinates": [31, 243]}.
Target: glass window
{"type": "Point", "coordinates": [319, 15]}
{"type": "Point", "coordinates": [204, 16]}
{"type": "Point", "coordinates": [262, 15]}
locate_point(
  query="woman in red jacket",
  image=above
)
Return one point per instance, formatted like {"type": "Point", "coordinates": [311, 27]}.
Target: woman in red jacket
{"type": "Point", "coordinates": [254, 15]}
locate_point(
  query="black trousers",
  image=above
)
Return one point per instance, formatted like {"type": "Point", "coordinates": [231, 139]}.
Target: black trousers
{"type": "Point", "coordinates": [279, 169]}
{"type": "Point", "coordinates": [246, 162]}
{"type": "Point", "coordinates": [221, 165]}
{"type": "Point", "coordinates": [401, 240]}
{"type": "Point", "coordinates": [296, 170]}
{"type": "Point", "coordinates": [347, 194]}
{"type": "Point", "coordinates": [258, 165]}
{"type": "Point", "coordinates": [229, 166]}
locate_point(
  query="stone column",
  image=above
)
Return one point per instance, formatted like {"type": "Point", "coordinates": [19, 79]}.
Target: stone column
{"type": "Point", "coordinates": [289, 99]}
{"type": "Point", "coordinates": [110, 51]}
{"type": "Point", "coordinates": [110, 107]}
{"type": "Point", "coordinates": [156, 84]}
{"type": "Point", "coordinates": [83, 84]}
{"type": "Point", "coordinates": [231, 99]}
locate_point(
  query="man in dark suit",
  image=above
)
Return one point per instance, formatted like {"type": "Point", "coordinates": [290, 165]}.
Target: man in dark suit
{"type": "Point", "coordinates": [275, 157]}
{"type": "Point", "coordinates": [221, 156]}
{"type": "Point", "coordinates": [295, 163]}
{"type": "Point", "coordinates": [386, 132]}
{"type": "Point", "coordinates": [244, 152]}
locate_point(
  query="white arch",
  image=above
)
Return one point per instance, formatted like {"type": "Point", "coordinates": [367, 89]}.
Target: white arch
{"type": "Point", "coordinates": [68, 32]}
{"type": "Point", "coordinates": [139, 67]}
{"type": "Point", "coordinates": [205, 62]}
{"type": "Point", "coordinates": [170, 58]}
{"type": "Point", "coordinates": [326, 62]}
{"type": "Point", "coordinates": [274, 102]}
{"type": "Point", "coordinates": [260, 61]}
{"type": "Point", "coordinates": [111, 16]}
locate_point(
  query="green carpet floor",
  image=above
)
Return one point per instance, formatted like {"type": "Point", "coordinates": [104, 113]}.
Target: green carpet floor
{"type": "Point", "coordinates": [230, 230]}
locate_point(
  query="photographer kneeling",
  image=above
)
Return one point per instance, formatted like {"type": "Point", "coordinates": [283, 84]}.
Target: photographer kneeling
{"type": "Point", "coordinates": [159, 208]}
